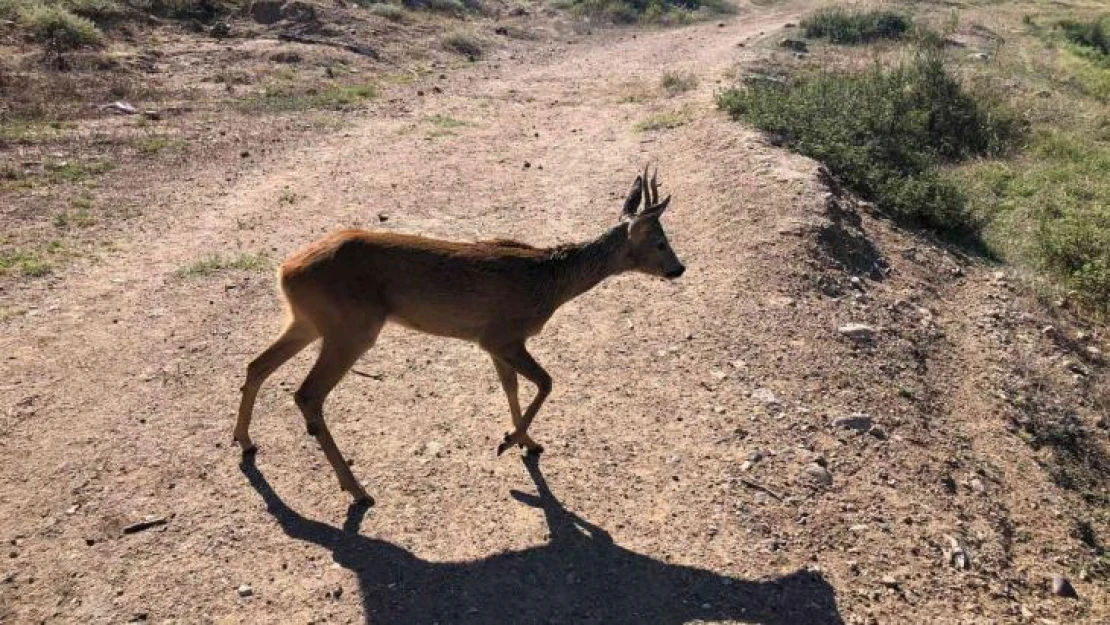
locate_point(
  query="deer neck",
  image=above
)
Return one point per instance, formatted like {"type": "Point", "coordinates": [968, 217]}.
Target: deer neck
{"type": "Point", "coordinates": [580, 267]}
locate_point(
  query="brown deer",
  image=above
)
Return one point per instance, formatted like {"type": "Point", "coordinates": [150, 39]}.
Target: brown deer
{"type": "Point", "coordinates": [345, 287]}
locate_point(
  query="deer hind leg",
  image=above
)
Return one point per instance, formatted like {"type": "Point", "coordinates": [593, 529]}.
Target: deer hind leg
{"type": "Point", "coordinates": [517, 356]}
{"type": "Point", "coordinates": [338, 353]}
{"type": "Point", "coordinates": [296, 336]}
{"type": "Point", "coordinates": [508, 377]}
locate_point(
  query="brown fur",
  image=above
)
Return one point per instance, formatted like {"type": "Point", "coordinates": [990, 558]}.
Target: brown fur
{"type": "Point", "coordinates": [346, 286]}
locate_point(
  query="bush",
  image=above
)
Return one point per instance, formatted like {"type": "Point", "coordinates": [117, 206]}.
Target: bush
{"type": "Point", "coordinates": [1094, 35]}
{"type": "Point", "coordinates": [57, 28]}
{"type": "Point", "coordinates": [851, 26]}
{"type": "Point", "coordinates": [390, 12]}
{"type": "Point", "coordinates": [885, 133]}
{"type": "Point", "coordinates": [678, 82]}
{"type": "Point", "coordinates": [464, 43]}
{"type": "Point", "coordinates": [1051, 210]}
{"type": "Point", "coordinates": [630, 11]}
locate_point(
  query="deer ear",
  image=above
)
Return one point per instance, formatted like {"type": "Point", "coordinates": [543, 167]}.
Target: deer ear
{"type": "Point", "coordinates": [632, 202]}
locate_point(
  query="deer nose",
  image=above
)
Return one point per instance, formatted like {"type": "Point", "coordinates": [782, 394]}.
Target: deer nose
{"type": "Point", "coordinates": [674, 273]}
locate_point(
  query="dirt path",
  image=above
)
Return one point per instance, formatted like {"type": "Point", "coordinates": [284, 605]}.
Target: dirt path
{"type": "Point", "coordinates": [122, 389]}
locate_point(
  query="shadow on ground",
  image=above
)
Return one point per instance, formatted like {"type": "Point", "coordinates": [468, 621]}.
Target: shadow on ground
{"type": "Point", "coordinates": [580, 576]}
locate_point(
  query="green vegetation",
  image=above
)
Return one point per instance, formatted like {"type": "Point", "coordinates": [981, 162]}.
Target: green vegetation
{"type": "Point", "coordinates": [56, 27]}
{"type": "Point", "coordinates": [1050, 209]}
{"type": "Point", "coordinates": [215, 263]}
{"type": "Point", "coordinates": [444, 121]}
{"type": "Point", "coordinates": [675, 83]}
{"type": "Point", "coordinates": [1093, 35]}
{"type": "Point", "coordinates": [29, 264]}
{"type": "Point", "coordinates": [391, 12]}
{"type": "Point", "coordinates": [886, 133]}
{"type": "Point", "coordinates": [77, 172]}
{"type": "Point", "coordinates": [664, 121]}
{"type": "Point", "coordinates": [464, 43]}
{"type": "Point", "coordinates": [156, 144]}
{"type": "Point", "coordinates": [282, 98]}
{"type": "Point", "coordinates": [854, 26]}
{"type": "Point", "coordinates": [631, 11]}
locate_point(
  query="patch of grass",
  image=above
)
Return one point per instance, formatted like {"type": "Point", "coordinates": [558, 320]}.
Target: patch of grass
{"type": "Point", "coordinates": [445, 121]}
{"type": "Point", "coordinates": [77, 172]}
{"type": "Point", "coordinates": [215, 263]}
{"type": "Point", "coordinates": [284, 99]}
{"type": "Point", "coordinates": [32, 264]}
{"type": "Point", "coordinates": [855, 26]}
{"type": "Point", "coordinates": [464, 43]}
{"type": "Point", "coordinates": [675, 83]}
{"type": "Point", "coordinates": [155, 144]}
{"type": "Point", "coordinates": [80, 218]}
{"type": "Point", "coordinates": [57, 28]}
{"type": "Point", "coordinates": [1093, 35]}
{"type": "Point", "coordinates": [1050, 209]}
{"type": "Point", "coordinates": [663, 121]}
{"type": "Point", "coordinates": [652, 11]}
{"type": "Point", "coordinates": [886, 133]}
{"type": "Point", "coordinates": [391, 12]}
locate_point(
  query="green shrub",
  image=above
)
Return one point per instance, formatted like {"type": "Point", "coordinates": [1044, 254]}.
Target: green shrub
{"type": "Point", "coordinates": [884, 132]}
{"type": "Point", "coordinates": [630, 11]}
{"type": "Point", "coordinates": [1094, 35]}
{"type": "Point", "coordinates": [1051, 209]}
{"type": "Point", "coordinates": [57, 28]}
{"type": "Point", "coordinates": [464, 43]}
{"type": "Point", "coordinates": [391, 12]}
{"type": "Point", "coordinates": [851, 26]}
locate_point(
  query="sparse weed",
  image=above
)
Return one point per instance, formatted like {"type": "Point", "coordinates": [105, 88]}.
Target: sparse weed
{"type": "Point", "coordinates": [678, 82]}
{"type": "Point", "coordinates": [215, 263]}
{"type": "Point", "coordinates": [664, 121]}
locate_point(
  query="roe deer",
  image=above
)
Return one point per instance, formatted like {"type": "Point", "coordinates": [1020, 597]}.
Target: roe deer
{"type": "Point", "coordinates": [343, 288]}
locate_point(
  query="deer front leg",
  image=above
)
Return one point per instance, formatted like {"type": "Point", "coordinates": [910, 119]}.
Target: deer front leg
{"type": "Point", "coordinates": [508, 378]}
{"type": "Point", "coordinates": [517, 356]}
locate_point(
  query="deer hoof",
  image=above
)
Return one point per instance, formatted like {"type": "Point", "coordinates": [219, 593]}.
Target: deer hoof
{"type": "Point", "coordinates": [505, 444]}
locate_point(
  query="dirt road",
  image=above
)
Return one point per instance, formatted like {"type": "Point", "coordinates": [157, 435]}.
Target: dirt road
{"type": "Point", "coordinates": [120, 391]}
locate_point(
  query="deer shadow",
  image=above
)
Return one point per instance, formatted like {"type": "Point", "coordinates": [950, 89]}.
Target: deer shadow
{"type": "Point", "coordinates": [579, 576]}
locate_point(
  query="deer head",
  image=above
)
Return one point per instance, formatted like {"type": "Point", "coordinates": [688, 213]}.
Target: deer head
{"type": "Point", "coordinates": [649, 251]}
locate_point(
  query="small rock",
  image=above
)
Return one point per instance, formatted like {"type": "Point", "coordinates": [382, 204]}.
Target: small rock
{"type": "Point", "coordinates": [955, 555]}
{"type": "Point", "coordinates": [1093, 353]}
{"type": "Point", "coordinates": [976, 485]}
{"type": "Point", "coordinates": [245, 591]}
{"type": "Point", "coordinates": [817, 474]}
{"type": "Point", "coordinates": [383, 217]}
{"type": "Point", "coordinates": [152, 115]}
{"type": "Point", "coordinates": [858, 332]}
{"type": "Point", "coordinates": [790, 25]}
{"type": "Point", "coordinates": [1061, 587]}
{"type": "Point", "coordinates": [122, 107]}
{"type": "Point", "coordinates": [527, 164]}
{"type": "Point", "coordinates": [766, 397]}
{"type": "Point", "coordinates": [889, 581]}
{"type": "Point", "coordinates": [979, 56]}
{"type": "Point", "coordinates": [857, 421]}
